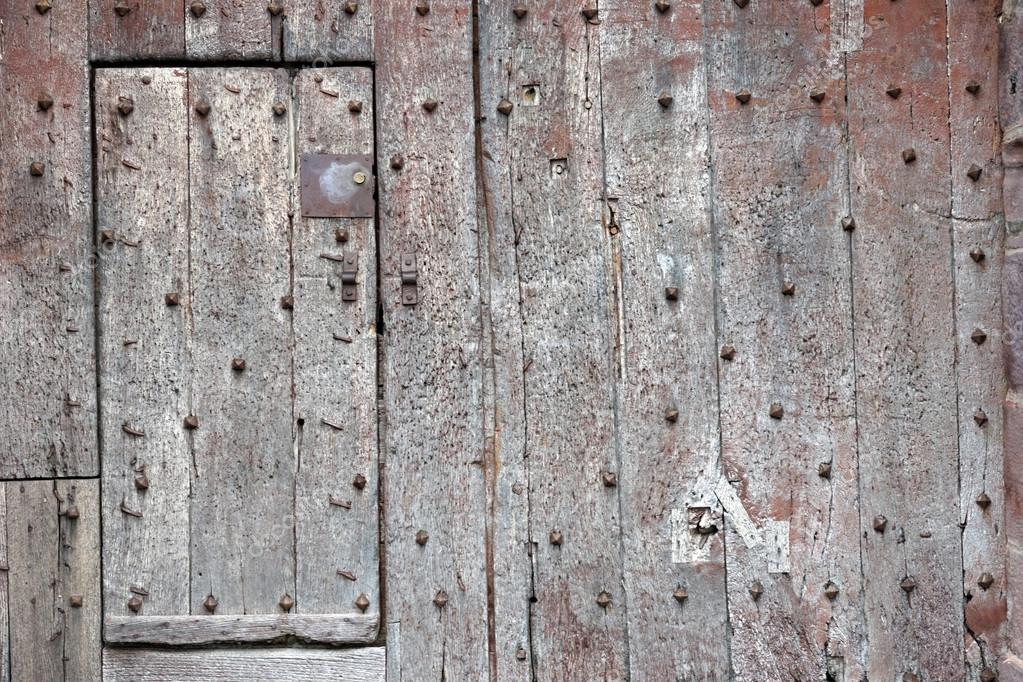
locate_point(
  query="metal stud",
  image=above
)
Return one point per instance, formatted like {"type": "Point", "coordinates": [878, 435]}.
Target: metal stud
{"type": "Point", "coordinates": [909, 677]}
{"type": "Point", "coordinates": [125, 105]}
{"type": "Point", "coordinates": [983, 501]}
{"type": "Point", "coordinates": [286, 602]}
{"type": "Point", "coordinates": [556, 538]}
{"type": "Point", "coordinates": [72, 512]}
{"type": "Point", "coordinates": [359, 481]}
{"type": "Point", "coordinates": [589, 13]}
{"type": "Point", "coordinates": [978, 336]}
{"type": "Point", "coordinates": [76, 600]}
{"type": "Point", "coordinates": [671, 415]}
{"type": "Point", "coordinates": [680, 594]}
{"type": "Point", "coordinates": [191, 422]}
{"type": "Point", "coordinates": [44, 102]}
{"type": "Point", "coordinates": [973, 87]}
{"type": "Point", "coordinates": [355, 106]}
{"type": "Point", "coordinates": [756, 590]}
{"type": "Point", "coordinates": [440, 599]}
{"type": "Point", "coordinates": [171, 299]}
{"type": "Point", "coordinates": [662, 6]}
{"type": "Point", "coordinates": [665, 100]}
{"type": "Point", "coordinates": [121, 8]}
{"type": "Point", "coordinates": [202, 107]}
{"type": "Point", "coordinates": [142, 482]}
{"type": "Point", "coordinates": [988, 675]}
{"type": "Point", "coordinates": [505, 107]}
{"type": "Point", "coordinates": [397, 162]}
{"type": "Point", "coordinates": [238, 364]}
{"type": "Point", "coordinates": [727, 352]}
{"type": "Point", "coordinates": [817, 96]}
{"type": "Point", "coordinates": [274, 8]}
{"type": "Point", "coordinates": [36, 169]}
{"type": "Point", "coordinates": [908, 584]}
{"type": "Point", "coordinates": [880, 523]}
{"type": "Point", "coordinates": [351, 7]}
{"type": "Point", "coordinates": [776, 411]}
{"type": "Point", "coordinates": [520, 654]}
{"type": "Point", "coordinates": [422, 8]}
{"type": "Point", "coordinates": [671, 293]}
{"type": "Point", "coordinates": [422, 537]}
{"type": "Point", "coordinates": [894, 92]}
{"type": "Point", "coordinates": [198, 8]}
{"type": "Point", "coordinates": [977, 254]}
{"type": "Point", "coordinates": [210, 603]}
{"type": "Point", "coordinates": [788, 288]}
{"type": "Point", "coordinates": [287, 302]}
{"type": "Point", "coordinates": [824, 470]}
{"type": "Point", "coordinates": [830, 590]}
{"type": "Point", "coordinates": [909, 155]}
{"type": "Point", "coordinates": [743, 96]}
{"type": "Point", "coordinates": [741, 3]}
{"type": "Point", "coordinates": [43, 6]}
{"type": "Point", "coordinates": [609, 479]}
{"type": "Point", "coordinates": [980, 417]}
{"type": "Point", "coordinates": [603, 599]}
{"type": "Point", "coordinates": [135, 603]}
{"type": "Point", "coordinates": [362, 602]}
{"type": "Point", "coordinates": [848, 223]}
{"type": "Point", "coordinates": [429, 105]}
{"type": "Point", "coordinates": [973, 173]}
{"type": "Point", "coordinates": [520, 11]}
{"type": "Point", "coordinates": [985, 580]}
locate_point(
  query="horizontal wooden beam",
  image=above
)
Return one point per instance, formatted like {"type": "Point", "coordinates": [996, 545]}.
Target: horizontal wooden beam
{"type": "Point", "coordinates": [200, 630]}
{"type": "Point", "coordinates": [364, 664]}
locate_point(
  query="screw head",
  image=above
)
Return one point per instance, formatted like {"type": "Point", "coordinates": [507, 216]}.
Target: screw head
{"type": "Point", "coordinates": [359, 481]}
{"type": "Point", "coordinates": [665, 100]}
{"type": "Point", "coordinates": [983, 501]}
{"type": "Point", "coordinates": [274, 8]}
{"type": "Point", "coordinates": [238, 364]}
{"type": "Point", "coordinates": [662, 6]}
{"type": "Point", "coordinates": [135, 603]}
{"type": "Point", "coordinates": [429, 105]}
{"type": "Point", "coordinates": [191, 422]}
{"type": "Point", "coordinates": [142, 482]}
{"type": "Point", "coordinates": [978, 336]}
{"type": "Point", "coordinates": [603, 599]}
{"type": "Point", "coordinates": [125, 105]}
{"type": "Point", "coordinates": [440, 599]}
{"type": "Point", "coordinates": [609, 479]}
{"type": "Point", "coordinates": [198, 8]}
{"type": "Point", "coordinates": [279, 108]}
{"type": "Point", "coordinates": [977, 254]}
{"type": "Point", "coordinates": [824, 470]}
{"type": "Point", "coordinates": [362, 602]}
{"type": "Point", "coordinates": [817, 95]}
{"type": "Point", "coordinates": [848, 223]}
{"type": "Point", "coordinates": [355, 106]}
{"type": "Point", "coordinates": [680, 594]}
{"type": "Point", "coordinates": [756, 590]}
{"type": "Point", "coordinates": [210, 603]}
{"type": "Point", "coordinates": [556, 538]}
{"type": "Point", "coordinates": [422, 8]}
{"type": "Point", "coordinates": [202, 107]}
{"type": "Point", "coordinates": [171, 299]}
{"type": "Point", "coordinates": [743, 96]}
{"type": "Point", "coordinates": [397, 162]}
{"type": "Point", "coordinates": [894, 91]}
{"type": "Point", "coordinates": [776, 411]}
{"type": "Point", "coordinates": [973, 173]}
{"type": "Point", "coordinates": [286, 603]}
{"type": "Point", "coordinates": [43, 6]}
{"type": "Point", "coordinates": [359, 178]}
{"type": "Point", "coordinates": [909, 155]}
{"type": "Point", "coordinates": [505, 107]}
{"type": "Point", "coordinates": [830, 590]}
{"type": "Point", "coordinates": [121, 8]}
{"type": "Point", "coordinates": [520, 11]}
{"type": "Point", "coordinates": [880, 523]}
{"type": "Point", "coordinates": [422, 537]}
{"type": "Point", "coordinates": [728, 352]}
{"type": "Point", "coordinates": [985, 580]}
{"type": "Point", "coordinates": [788, 288]}
{"type": "Point", "coordinates": [980, 417]}
{"type": "Point", "coordinates": [36, 169]}
{"type": "Point", "coordinates": [76, 600]}
{"type": "Point", "coordinates": [351, 7]}
{"type": "Point", "coordinates": [44, 102]}
{"type": "Point", "coordinates": [973, 87]}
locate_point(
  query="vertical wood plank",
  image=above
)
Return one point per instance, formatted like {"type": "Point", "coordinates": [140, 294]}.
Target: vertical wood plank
{"type": "Point", "coordinates": [432, 375]}
{"type": "Point", "coordinates": [980, 373]}
{"type": "Point", "coordinates": [231, 29]}
{"type": "Point", "coordinates": [5, 586]}
{"type": "Point", "coordinates": [242, 520]}
{"type": "Point", "coordinates": [46, 277]}
{"type": "Point", "coordinates": [53, 553]}
{"type": "Point", "coordinates": [905, 347]}
{"type": "Point", "coordinates": [325, 33]}
{"type": "Point", "coordinates": [787, 395]}
{"type": "Point", "coordinates": [136, 29]}
{"type": "Point", "coordinates": [657, 181]}
{"type": "Point", "coordinates": [335, 358]}
{"type": "Point", "coordinates": [145, 365]}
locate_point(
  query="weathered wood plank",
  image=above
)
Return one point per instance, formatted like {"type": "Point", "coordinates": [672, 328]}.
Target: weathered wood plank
{"type": "Point", "coordinates": [902, 283]}
{"type": "Point", "coordinates": [785, 310]}
{"type": "Point", "coordinates": [232, 29]}
{"type": "Point", "coordinates": [244, 665]}
{"type": "Point", "coordinates": [656, 181]}
{"type": "Point", "coordinates": [5, 585]}
{"type": "Point", "coordinates": [124, 30]}
{"type": "Point", "coordinates": [53, 593]}
{"type": "Point", "coordinates": [432, 374]}
{"type": "Point", "coordinates": [46, 277]}
{"type": "Point", "coordinates": [980, 374]}
{"type": "Point", "coordinates": [242, 522]}
{"type": "Point", "coordinates": [214, 629]}
{"type": "Point", "coordinates": [144, 360]}
{"type": "Point", "coordinates": [335, 363]}
{"type": "Point", "coordinates": [326, 33]}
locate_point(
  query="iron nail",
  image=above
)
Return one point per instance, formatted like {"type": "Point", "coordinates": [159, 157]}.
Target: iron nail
{"type": "Point", "coordinates": [72, 512]}
{"type": "Point", "coordinates": [977, 254]}
{"type": "Point", "coordinates": [788, 288]}
{"type": "Point", "coordinates": [556, 538]}
{"type": "Point", "coordinates": [880, 523]}
{"type": "Point", "coordinates": [279, 108]}
{"type": "Point", "coordinates": [422, 8]}
{"type": "Point", "coordinates": [362, 602]}
{"type": "Point", "coordinates": [603, 599]}
{"type": "Point", "coordinates": [125, 509]}
{"type": "Point", "coordinates": [824, 470]}
{"type": "Point", "coordinates": [830, 590]}
{"type": "Point", "coordinates": [589, 13]}
{"type": "Point", "coordinates": [520, 654]}
{"type": "Point", "coordinates": [671, 293]}
{"type": "Point", "coordinates": [980, 417]}
{"type": "Point", "coordinates": [202, 107]}
{"type": "Point", "coordinates": [287, 302]}
{"type": "Point", "coordinates": [355, 106]}
{"type": "Point", "coordinates": [728, 352]}
{"type": "Point", "coordinates": [440, 599]}
{"type": "Point", "coordinates": [973, 87]}
{"type": "Point", "coordinates": [198, 8]}
{"type": "Point", "coordinates": [142, 482]}
{"type": "Point", "coordinates": [347, 575]}
{"type": "Point", "coordinates": [743, 96]}
{"type": "Point", "coordinates": [988, 675]}
{"type": "Point", "coordinates": [817, 95]}
{"type": "Point", "coordinates": [671, 415]}
{"type": "Point", "coordinates": [238, 364]}
{"type": "Point", "coordinates": [776, 411]}
{"type": "Point", "coordinates": [359, 481]}
{"type": "Point", "coordinates": [397, 162]}
{"type": "Point", "coordinates": [341, 234]}
{"type": "Point", "coordinates": [909, 155]}
{"type": "Point", "coordinates": [609, 479]}
{"type": "Point", "coordinates": [43, 6]}
{"type": "Point", "coordinates": [505, 107]}
{"type": "Point", "coordinates": [848, 223]}
{"type": "Point", "coordinates": [429, 105]}
{"type": "Point", "coordinates": [741, 4]}
{"type": "Point", "coordinates": [680, 594]}
{"type": "Point", "coordinates": [665, 100]}
{"type": "Point", "coordinates": [274, 8]}
{"type": "Point", "coordinates": [983, 501]}
{"type": "Point", "coordinates": [76, 600]}
{"type": "Point", "coordinates": [172, 299]}
{"type": "Point", "coordinates": [978, 336]}
{"type": "Point", "coordinates": [973, 173]}
{"type": "Point", "coordinates": [286, 602]}
{"type": "Point", "coordinates": [135, 603]}
{"type": "Point", "coordinates": [756, 590]}
{"type": "Point", "coordinates": [210, 603]}
{"type": "Point", "coordinates": [985, 580]}
{"type": "Point", "coordinates": [191, 422]}
{"type": "Point", "coordinates": [662, 6]}
{"type": "Point", "coordinates": [125, 105]}
{"type": "Point", "coordinates": [894, 92]}
{"type": "Point", "coordinates": [351, 7]}
{"type": "Point", "coordinates": [422, 537]}
{"type": "Point", "coordinates": [108, 236]}
{"type": "Point", "coordinates": [519, 11]}
{"type": "Point", "coordinates": [36, 168]}
{"type": "Point", "coordinates": [908, 584]}
{"type": "Point", "coordinates": [44, 102]}
{"type": "Point", "coordinates": [131, 431]}
{"type": "Point", "coordinates": [121, 8]}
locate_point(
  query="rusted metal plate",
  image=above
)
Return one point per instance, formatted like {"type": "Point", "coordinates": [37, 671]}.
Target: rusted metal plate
{"type": "Point", "coordinates": [337, 186]}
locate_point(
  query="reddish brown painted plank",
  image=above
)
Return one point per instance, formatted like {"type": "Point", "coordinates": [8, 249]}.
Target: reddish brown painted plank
{"type": "Point", "coordinates": [905, 342]}
{"type": "Point", "coordinates": [46, 272]}
{"type": "Point", "coordinates": [432, 369]}
{"type": "Point", "coordinates": [326, 33]}
{"type": "Point", "coordinates": [123, 30]}
{"type": "Point", "coordinates": [658, 191]}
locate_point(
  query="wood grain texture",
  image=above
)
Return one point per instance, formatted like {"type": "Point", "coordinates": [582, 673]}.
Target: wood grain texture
{"type": "Point", "coordinates": [780, 189]}
{"type": "Point", "coordinates": [335, 363]}
{"type": "Point", "coordinates": [214, 629]}
{"type": "Point", "coordinates": [244, 665]}
{"type": "Point", "coordinates": [51, 557]}
{"type": "Point", "coordinates": [905, 345]}
{"type": "Point", "coordinates": [149, 29]}
{"type": "Point", "coordinates": [432, 370]}
{"type": "Point", "coordinates": [46, 276]}
{"type": "Point", "coordinates": [980, 374]}
{"type": "Point", "coordinates": [5, 586]}
{"type": "Point", "coordinates": [144, 350]}
{"type": "Point", "coordinates": [232, 29]}
{"type": "Point", "coordinates": [243, 478]}
{"type": "Point", "coordinates": [659, 188]}
{"type": "Point", "coordinates": [325, 33]}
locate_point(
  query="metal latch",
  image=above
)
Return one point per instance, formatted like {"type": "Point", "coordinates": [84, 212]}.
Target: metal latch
{"type": "Point", "coordinates": [409, 294]}
{"type": "Point", "coordinates": [337, 186]}
{"type": "Point", "coordinates": [349, 269]}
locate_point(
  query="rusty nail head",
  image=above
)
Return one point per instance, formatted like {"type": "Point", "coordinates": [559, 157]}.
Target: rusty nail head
{"type": "Point", "coordinates": [988, 675]}
{"type": "Point", "coordinates": [121, 8]}
{"type": "Point", "coordinates": [556, 538]}
{"type": "Point", "coordinates": [429, 105]}
{"type": "Point", "coordinates": [76, 600]}
{"type": "Point", "coordinates": [422, 8]}
{"type": "Point", "coordinates": [210, 603]}
{"type": "Point", "coordinates": [142, 482]}
{"type": "Point", "coordinates": [880, 523]}
{"type": "Point", "coordinates": [985, 580]}
{"type": "Point", "coordinates": [198, 8]}
{"type": "Point", "coordinates": [43, 6]}
{"type": "Point", "coordinates": [135, 603]}
{"type": "Point", "coordinates": [816, 3]}
{"type": "Point", "coordinates": [72, 512]}
{"type": "Point", "coordinates": [743, 96]}
{"type": "Point", "coordinates": [980, 417]}
{"type": "Point", "coordinates": [440, 599]}
{"type": "Point", "coordinates": [355, 106]}
{"type": "Point", "coordinates": [202, 107]}
{"type": "Point", "coordinates": [505, 107]}
{"type": "Point", "coordinates": [848, 223]}
{"type": "Point", "coordinates": [909, 155]}
{"type": "Point", "coordinates": [665, 100]}
{"type": "Point", "coordinates": [830, 590]}
{"type": "Point", "coordinates": [756, 590]}
{"type": "Point", "coordinates": [662, 6]}
{"type": "Point", "coordinates": [238, 364]}
{"type": "Point", "coordinates": [776, 411]}
{"type": "Point", "coordinates": [973, 87]}
{"type": "Point", "coordinates": [125, 105]}
{"type": "Point", "coordinates": [824, 469]}
{"type": "Point", "coordinates": [603, 599]}
{"type": "Point", "coordinates": [788, 288]}
{"type": "Point", "coordinates": [741, 3]}
{"type": "Point", "coordinates": [286, 602]}
{"type": "Point", "coordinates": [362, 602]}
{"type": "Point", "coordinates": [817, 96]}
{"type": "Point", "coordinates": [910, 677]}
{"type": "Point", "coordinates": [397, 162]}
{"type": "Point", "coordinates": [287, 302]}
{"type": "Point", "coordinates": [191, 422]}
{"type": "Point", "coordinates": [36, 168]}
{"type": "Point", "coordinates": [279, 108]}
{"type": "Point", "coordinates": [274, 8]}
{"type": "Point", "coordinates": [983, 501]}
{"type": "Point", "coordinates": [609, 479]}
{"type": "Point", "coordinates": [908, 584]}
{"type": "Point", "coordinates": [589, 13]}
{"type": "Point", "coordinates": [671, 293]}
{"type": "Point", "coordinates": [680, 594]}
{"type": "Point", "coordinates": [728, 352]}
{"type": "Point", "coordinates": [351, 7]}
{"type": "Point", "coordinates": [171, 299]}
{"type": "Point", "coordinates": [973, 173]}
{"type": "Point", "coordinates": [520, 11]}
{"type": "Point", "coordinates": [520, 654]}
{"type": "Point", "coordinates": [671, 415]}
{"type": "Point", "coordinates": [341, 234]}
{"type": "Point", "coordinates": [978, 336]}
{"type": "Point", "coordinates": [894, 92]}
{"type": "Point", "coordinates": [44, 102]}
{"type": "Point", "coordinates": [359, 481]}
{"type": "Point", "coordinates": [422, 537]}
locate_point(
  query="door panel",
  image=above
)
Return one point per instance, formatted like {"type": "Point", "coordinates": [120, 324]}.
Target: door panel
{"type": "Point", "coordinates": [240, 390]}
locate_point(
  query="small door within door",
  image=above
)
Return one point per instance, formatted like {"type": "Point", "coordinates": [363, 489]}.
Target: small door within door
{"type": "Point", "coordinates": [237, 356]}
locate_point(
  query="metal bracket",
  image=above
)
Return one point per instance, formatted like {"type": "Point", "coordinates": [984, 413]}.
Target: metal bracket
{"type": "Point", "coordinates": [337, 186]}
{"type": "Point", "coordinates": [349, 270]}
{"type": "Point", "coordinates": [409, 277]}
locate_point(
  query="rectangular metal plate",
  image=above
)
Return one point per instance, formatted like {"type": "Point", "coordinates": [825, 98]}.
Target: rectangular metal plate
{"type": "Point", "coordinates": [337, 186]}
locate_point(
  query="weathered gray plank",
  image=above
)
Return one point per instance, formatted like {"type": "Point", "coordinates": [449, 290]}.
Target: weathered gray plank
{"type": "Point", "coordinates": [335, 363]}
{"type": "Point", "coordinates": [244, 665]}
{"type": "Point", "coordinates": [213, 629]}
{"type": "Point", "coordinates": [46, 279]}
{"type": "Point", "coordinates": [902, 283]}
{"type": "Point", "coordinates": [787, 395]}
{"type": "Point", "coordinates": [5, 604]}
{"type": "Point", "coordinates": [52, 541]}
{"type": "Point", "coordinates": [136, 29]}
{"type": "Point", "coordinates": [980, 374]}
{"type": "Point", "coordinates": [659, 190]}
{"type": "Point", "coordinates": [242, 523]}
{"type": "Point", "coordinates": [432, 375]}
{"type": "Point", "coordinates": [144, 360]}
{"type": "Point", "coordinates": [326, 33]}
{"type": "Point", "coordinates": [232, 29]}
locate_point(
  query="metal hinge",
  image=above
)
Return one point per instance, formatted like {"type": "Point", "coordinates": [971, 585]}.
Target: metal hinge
{"type": "Point", "coordinates": [349, 270]}
{"type": "Point", "coordinates": [409, 275]}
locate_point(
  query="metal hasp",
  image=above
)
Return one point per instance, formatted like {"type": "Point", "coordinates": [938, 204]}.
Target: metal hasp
{"type": "Point", "coordinates": [349, 269]}
{"type": "Point", "coordinates": [409, 277]}
{"type": "Point", "coordinates": [337, 186]}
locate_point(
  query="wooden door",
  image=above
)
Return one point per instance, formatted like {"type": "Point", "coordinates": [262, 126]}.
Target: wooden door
{"type": "Point", "coordinates": [237, 358]}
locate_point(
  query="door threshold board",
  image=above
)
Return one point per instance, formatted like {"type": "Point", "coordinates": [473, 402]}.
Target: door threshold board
{"type": "Point", "coordinates": [247, 629]}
